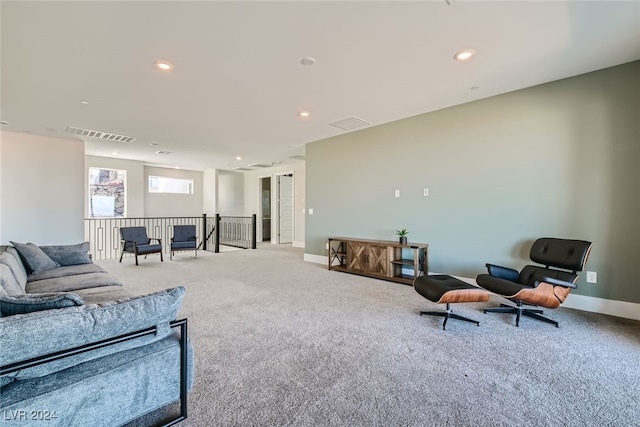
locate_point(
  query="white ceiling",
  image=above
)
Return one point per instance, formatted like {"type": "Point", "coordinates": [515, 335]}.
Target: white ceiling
{"type": "Point", "coordinates": [238, 83]}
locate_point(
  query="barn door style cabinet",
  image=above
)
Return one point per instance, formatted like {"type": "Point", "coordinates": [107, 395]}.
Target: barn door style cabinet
{"type": "Point", "coordinates": [382, 259]}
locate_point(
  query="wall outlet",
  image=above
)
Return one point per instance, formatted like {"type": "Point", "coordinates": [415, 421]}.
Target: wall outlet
{"type": "Point", "coordinates": [310, 211]}
{"type": "Point", "coordinates": [397, 193]}
{"type": "Point", "coordinates": [592, 277]}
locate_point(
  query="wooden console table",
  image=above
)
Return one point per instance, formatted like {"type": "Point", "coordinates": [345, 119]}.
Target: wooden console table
{"type": "Point", "coordinates": [382, 259]}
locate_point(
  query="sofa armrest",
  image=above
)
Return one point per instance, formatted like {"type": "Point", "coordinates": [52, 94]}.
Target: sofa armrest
{"type": "Point", "coordinates": [153, 330]}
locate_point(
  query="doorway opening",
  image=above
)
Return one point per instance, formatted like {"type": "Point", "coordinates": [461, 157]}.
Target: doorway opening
{"type": "Point", "coordinates": [284, 209]}
{"type": "Point", "coordinates": [265, 208]}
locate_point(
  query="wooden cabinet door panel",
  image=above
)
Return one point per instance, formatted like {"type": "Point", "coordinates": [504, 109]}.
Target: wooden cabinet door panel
{"type": "Point", "coordinates": [378, 260]}
{"type": "Point", "coordinates": [356, 257]}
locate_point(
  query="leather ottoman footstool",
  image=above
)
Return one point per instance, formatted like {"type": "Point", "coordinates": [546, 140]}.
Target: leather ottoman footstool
{"type": "Point", "coordinates": [444, 289]}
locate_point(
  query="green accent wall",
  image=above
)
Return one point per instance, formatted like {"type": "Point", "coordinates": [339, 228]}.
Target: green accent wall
{"type": "Point", "coordinates": [555, 160]}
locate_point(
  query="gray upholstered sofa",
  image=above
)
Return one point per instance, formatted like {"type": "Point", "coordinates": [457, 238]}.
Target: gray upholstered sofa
{"type": "Point", "coordinates": [127, 357]}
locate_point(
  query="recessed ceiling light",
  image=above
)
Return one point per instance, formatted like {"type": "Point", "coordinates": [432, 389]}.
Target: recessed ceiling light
{"type": "Point", "coordinates": [475, 87]}
{"type": "Point", "coordinates": [164, 65]}
{"type": "Point", "coordinates": [238, 158]}
{"type": "Point", "coordinates": [176, 167]}
{"type": "Point", "coordinates": [308, 61]}
{"type": "Point", "coordinates": [304, 114]}
{"type": "Point", "coordinates": [464, 55]}
{"type": "Point", "coordinates": [153, 144]}
{"type": "Point", "coordinates": [115, 153]}
{"type": "Point", "coordinates": [84, 102]}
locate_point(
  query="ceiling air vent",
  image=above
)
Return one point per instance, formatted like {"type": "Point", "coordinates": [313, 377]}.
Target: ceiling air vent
{"type": "Point", "coordinates": [241, 169]}
{"type": "Point", "coordinates": [297, 157]}
{"type": "Point", "coordinates": [101, 135]}
{"type": "Point", "coordinates": [259, 165]}
{"type": "Point", "coordinates": [350, 123]}
{"type": "Point", "coordinates": [165, 153]}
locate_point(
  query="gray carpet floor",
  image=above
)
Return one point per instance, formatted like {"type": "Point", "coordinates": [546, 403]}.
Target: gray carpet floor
{"type": "Point", "coordinates": [283, 342]}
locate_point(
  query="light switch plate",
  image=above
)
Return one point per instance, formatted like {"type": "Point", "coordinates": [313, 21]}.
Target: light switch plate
{"type": "Point", "coordinates": [592, 277]}
{"type": "Point", "coordinates": [397, 193]}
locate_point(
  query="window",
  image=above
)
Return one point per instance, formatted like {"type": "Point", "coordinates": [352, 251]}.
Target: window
{"type": "Point", "coordinates": [106, 193]}
{"type": "Point", "coordinates": [160, 184]}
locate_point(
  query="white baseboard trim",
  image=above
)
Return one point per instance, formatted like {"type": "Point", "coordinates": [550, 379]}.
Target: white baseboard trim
{"type": "Point", "coordinates": [298, 244]}
{"type": "Point", "coordinates": [628, 310]}
{"type": "Point", "coordinates": [318, 259]}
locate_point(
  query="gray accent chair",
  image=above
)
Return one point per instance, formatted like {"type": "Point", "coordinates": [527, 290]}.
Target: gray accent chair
{"type": "Point", "coordinates": [184, 239]}
{"type": "Point", "coordinates": [134, 240]}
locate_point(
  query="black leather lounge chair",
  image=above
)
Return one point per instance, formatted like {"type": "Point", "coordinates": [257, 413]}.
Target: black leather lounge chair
{"type": "Point", "coordinates": [545, 286]}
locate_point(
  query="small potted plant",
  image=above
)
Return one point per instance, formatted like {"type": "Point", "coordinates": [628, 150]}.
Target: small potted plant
{"type": "Point", "coordinates": [402, 235]}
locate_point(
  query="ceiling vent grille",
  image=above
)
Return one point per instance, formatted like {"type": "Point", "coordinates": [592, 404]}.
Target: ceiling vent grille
{"type": "Point", "coordinates": [241, 169]}
{"type": "Point", "coordinates": [350, 123]}
{"type": "Point", "coordinates": [164, 153]}
{"type": "Point", "coordinates": [259, 165]}
{"type": "Point", "coordinates": [101, 135]}
{"type": "Point", "coordinates": [297, 157]}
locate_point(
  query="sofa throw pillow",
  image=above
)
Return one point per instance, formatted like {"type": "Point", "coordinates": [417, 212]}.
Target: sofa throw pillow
{"type": "Point", "coordinates": [66, 255]}
{"type": "Point", "coordinates": [8, 283]}
{"type": "Point", "coordinates": [34, 259]}
{"type": "Point", "coordinates": [28, 303]}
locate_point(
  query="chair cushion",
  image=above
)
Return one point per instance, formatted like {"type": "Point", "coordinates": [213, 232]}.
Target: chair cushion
{"type": "Point", "coordinates": [28, 303]}
{"type": "Point", "coordinates": [561, 253]}
{"type": "Point", "coordinates": [33, 257]}
{"type": "Point", "coordinates": [183, 233]}
{"type": "Point", "coordinates": [183, 245]}
{"type": "Point", "coordinates": [135, 234]}
{"type": "Point", "coordinates": [528, 272]}
{"type": "Point", "coordinates": [68, 254]}
{"type": "Point", "coordinates": [147, 249]}
{"type": "Point", "coordinates": [499, 286]}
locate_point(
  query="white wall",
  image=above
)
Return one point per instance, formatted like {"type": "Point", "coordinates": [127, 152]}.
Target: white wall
{"type": "Point", "coordinates": [252, 197]}
{"type": "Point", "coordinates": [134, 186]}
{"type": "Point", "coordinates": [41, 189]}
{"type": "Point", "coordinates": [169, 204]}
{"type": "Point", "coordinates": [210, 192]}
{"type": "Point", "coordinates": [231, 199]}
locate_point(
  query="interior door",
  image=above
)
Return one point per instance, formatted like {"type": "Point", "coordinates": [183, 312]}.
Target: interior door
{"type": "Point", "coordinates": [265, 208]}
{"type": "Point", "coordinates": [285, 208]}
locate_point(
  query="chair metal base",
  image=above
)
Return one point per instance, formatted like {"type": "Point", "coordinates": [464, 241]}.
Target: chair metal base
{"type": "Point", "coordinates": [519, 311]}
{"type": "Point", "coordinates": [449, 314]}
